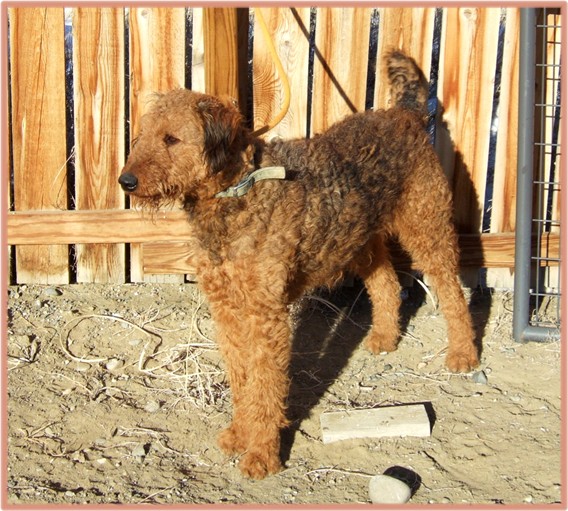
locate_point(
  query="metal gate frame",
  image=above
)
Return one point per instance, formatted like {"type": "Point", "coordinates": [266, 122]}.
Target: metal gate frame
{"type": "Point", "coordinates": [530, 291]}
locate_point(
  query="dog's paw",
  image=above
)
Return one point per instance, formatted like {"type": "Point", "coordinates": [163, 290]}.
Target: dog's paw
{"type": "Point", "coordinates": [258, 465]}
{"type": "Point", "coordinates": [232, 440]}
{"type": "Point", "coordinates": [462, 362]}
{"type": "Point", "coordinates": [379, 342]}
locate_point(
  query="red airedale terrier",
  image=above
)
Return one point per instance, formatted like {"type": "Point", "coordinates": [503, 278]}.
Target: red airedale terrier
{"type": "Point", "coordinates": [262, 245]}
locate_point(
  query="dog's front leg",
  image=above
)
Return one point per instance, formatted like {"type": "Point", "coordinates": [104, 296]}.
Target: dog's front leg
{"type": "Point", "coordinates": [266, 390]}
{"type": "Point", "coordinates": [234, 348]}
{"type": "Point", "coordinates": [257, 352]}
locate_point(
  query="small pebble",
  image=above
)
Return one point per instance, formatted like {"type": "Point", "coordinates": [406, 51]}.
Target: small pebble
{"type": "Point", "coordinates": [52, 291]}
{"type": "Point", "coordinates": [82, 366]}
{"type": "Point", "coordinates": [387, 367]}
{"type": "Point", "coordinates": [152, 406]}
{"type": "Point", "coordinates": [479, 377]}
{"type": "Point", "coordinates": [385, 489]}
{"type": "Point", "coordinates": [113, 364]}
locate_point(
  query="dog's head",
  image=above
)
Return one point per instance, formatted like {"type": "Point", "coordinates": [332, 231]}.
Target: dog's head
{"type": "Point", "coordinates": [190, 146]}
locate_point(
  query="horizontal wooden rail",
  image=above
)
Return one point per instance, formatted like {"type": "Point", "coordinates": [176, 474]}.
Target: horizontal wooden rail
{"type": "Point", "coordinates": [106, 226]}
{"type": "Point", "coordinates": [166, 238]}
{"type": "Point", "coordinates": [485, 250]}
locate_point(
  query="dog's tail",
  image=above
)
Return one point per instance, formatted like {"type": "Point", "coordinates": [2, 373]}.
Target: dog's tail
{"type": "Point", "coordinates": [408, 86]}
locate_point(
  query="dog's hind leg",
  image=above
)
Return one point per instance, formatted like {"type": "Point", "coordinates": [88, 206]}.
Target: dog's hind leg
{"type": "Point", "coordinates": [423, 222]}
{"type": "Point", "coordinates": [383, 288]}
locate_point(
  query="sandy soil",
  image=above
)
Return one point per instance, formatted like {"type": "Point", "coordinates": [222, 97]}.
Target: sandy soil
{"type": "Point", "coordinates": [116, 395]}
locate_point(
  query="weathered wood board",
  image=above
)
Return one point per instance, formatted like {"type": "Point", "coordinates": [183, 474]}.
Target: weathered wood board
{"type": "Point", "coordinates": [38, 132]}
{"type": "Point", "coordinates": [407, 420]}
{"type": "Point", "coordinates": [99, 131]}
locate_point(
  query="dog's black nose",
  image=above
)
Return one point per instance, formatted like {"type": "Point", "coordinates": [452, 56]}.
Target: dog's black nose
{"type": "Point", "coordinates": [129, 182]}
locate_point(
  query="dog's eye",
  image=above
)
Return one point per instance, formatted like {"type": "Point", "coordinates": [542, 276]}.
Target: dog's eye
{"type": "Point", "coordinates": [170, 140]}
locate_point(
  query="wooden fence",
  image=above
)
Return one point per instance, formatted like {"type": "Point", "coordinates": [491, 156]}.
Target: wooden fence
{"type": "Point", "coordinates": [75, 103]}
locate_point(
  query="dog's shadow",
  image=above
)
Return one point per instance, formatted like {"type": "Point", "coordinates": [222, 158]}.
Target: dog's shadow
{"type": "Point", "coordinates": [326, 336]}
{"type": "Point", "coordinates": [328, 329]}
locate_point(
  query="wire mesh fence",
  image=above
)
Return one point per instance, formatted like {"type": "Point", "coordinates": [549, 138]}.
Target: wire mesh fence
{"type": "Point", "coordinates": [538, 263]}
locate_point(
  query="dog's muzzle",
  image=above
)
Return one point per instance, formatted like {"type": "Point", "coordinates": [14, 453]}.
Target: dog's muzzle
{"type": "Point", "coordinates": [129, 182]}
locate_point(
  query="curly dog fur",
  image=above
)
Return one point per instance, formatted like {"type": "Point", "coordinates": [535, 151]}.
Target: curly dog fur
{"type": "Point", "coordinates": [370, 176]}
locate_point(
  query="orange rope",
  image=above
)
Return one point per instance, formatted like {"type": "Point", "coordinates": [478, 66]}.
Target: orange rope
{"type": "Point", "coordinates": [281, 73]}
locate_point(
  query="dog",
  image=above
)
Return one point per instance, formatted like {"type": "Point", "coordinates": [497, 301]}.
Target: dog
{"type": "Point", "coordinates": [277, 219]}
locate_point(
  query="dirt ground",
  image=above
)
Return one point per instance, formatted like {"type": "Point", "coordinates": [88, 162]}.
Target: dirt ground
{"type": "Point", "coordinates": [116, 395]}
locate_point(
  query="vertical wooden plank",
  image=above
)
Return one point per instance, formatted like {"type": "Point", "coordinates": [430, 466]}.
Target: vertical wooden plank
{"type": "Point", "coordinates": [98, 48]}
{"type": "Point", "coordinates": [341, 63]}
{"type": "Point", "coordinates": [197, 51]}
{"type": "Point", "coordinates": [505, 177]}
{"type": "Point", "coordinates": [220, 32]}
{"type": "Point", "coordinates": [157, 55]}
{"type": "Point", "coordinates": [468, 55]}
{"type": "Point", "coordinates": [409, 30]}
{"type": "Point", "coordinates": [289, 30]}
{"type": "Point", "coordinates": [465, 89]}
{"type": "Point", "coordinates": [38, 131]}
{"type": "Point", "coordinates": [7, 161]}
{"type": "Point", "coordinates": [157, 64]}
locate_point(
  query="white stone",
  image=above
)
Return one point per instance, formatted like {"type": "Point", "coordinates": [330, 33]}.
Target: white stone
{"type": "Point", "coordinates": [385, 489]}
{"type": "Point", "coordinates": [52, 291]}
{"type": "Point", "coordinates": [82, 366]}
{"type": "Point", "coordinates": [113, 364]}
{"type": "Point", "coordinates": [152, 406]}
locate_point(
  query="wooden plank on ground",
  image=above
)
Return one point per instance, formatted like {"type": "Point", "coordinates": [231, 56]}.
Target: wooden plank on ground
{"type": "Point", "coordinates": [98, 48]}
{"type": "Point", "coordinates": [38, 131]}
{"type": "Point", "coordinates": [409, 29]}
{"type": "Point", "coordinates": [388, 421]}
{"type": "Point", "coordinates": [340, 64]}
{"type": "Point", "coordinates": [157, 64]}
{"type": "Point", "coordinates": [289, 30]}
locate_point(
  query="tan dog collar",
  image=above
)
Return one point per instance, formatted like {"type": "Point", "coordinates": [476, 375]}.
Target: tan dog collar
{"type": "Point", "coordinates": [243, 186]}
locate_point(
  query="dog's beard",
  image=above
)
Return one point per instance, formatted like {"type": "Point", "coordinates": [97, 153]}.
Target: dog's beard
{"type": "Point", "coordinates": [166, 197]}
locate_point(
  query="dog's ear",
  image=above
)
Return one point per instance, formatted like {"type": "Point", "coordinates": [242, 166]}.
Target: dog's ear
{"type": "Point", "coordinates": [224, 132]}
